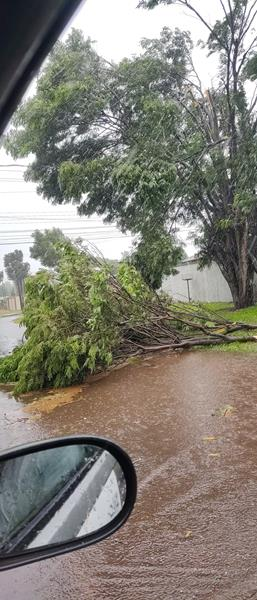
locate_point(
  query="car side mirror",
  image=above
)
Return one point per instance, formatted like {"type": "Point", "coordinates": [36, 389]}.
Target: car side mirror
{"type": "Point", "coordinates": [61, 495]}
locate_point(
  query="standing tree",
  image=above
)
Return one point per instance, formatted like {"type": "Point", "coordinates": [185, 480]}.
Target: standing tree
{"type": "Point", "coordinates": [16, 271]}
{"type": "Point", "coordinates": [1, 277]}
{"type": "Point", "coordinates": [83, 123]}
{"type": "Point", "coordinates": [45, 246]}
{"type": "Point", "coordinates": [142, 143]}
{"type": "Point", "coordinates": [217, 175]}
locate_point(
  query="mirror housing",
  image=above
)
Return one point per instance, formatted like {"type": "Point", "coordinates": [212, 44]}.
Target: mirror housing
{"type": "Point", "coordinates": [28, 31]}
{"type": "Point", "coordinates": [33, 554]}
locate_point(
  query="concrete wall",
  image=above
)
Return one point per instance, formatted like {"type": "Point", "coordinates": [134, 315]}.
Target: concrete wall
{"type": "Point", "coordinates": [208, 285]}
{"type": "Point", "coordinates": [11, 303]}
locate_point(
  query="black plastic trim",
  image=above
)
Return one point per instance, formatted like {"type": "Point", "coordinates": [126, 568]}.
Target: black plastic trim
{"type": "Point", "coordinates": [33, 555]}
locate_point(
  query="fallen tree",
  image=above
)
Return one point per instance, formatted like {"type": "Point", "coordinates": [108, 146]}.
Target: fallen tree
{"type": "Point", "coordinates": [83, 319]}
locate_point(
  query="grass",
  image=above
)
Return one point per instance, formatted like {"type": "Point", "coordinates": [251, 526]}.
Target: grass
{"type": "Point", "coordinates": [244, 315]}
{"type": "Point", "coordinates": [226, 309]}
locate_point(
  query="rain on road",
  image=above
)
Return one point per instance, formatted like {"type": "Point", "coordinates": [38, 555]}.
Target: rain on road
{"type": "Point", "coordinates": [189, 422]}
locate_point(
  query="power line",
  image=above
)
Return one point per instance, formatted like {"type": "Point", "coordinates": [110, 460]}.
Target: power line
{"type": "Point", "coordinates": [69, 233]}
{"type": "Point", "coordinates": [47, 214]}
{"type": "Point", "coordinates": [76, 224]}
{"type": "Point", "coordinates": [76, 232]}
{"type": "Point", "coordinates": [36, 212]}
{"type": "Point", "coordinates": [85, 228]}
{"type": "Point", "coordinates": [17, 173]}
{"type": "Point", "coordinates": [65, 218]}
{"type": "Point", "coordinates": [27, 234]}
{"type": "Point", "coordinates": [15, 165]}
{"type": "Point", "coordinates": [30, 214]}
{"type": "Point", "coordinates": [51, 217]}
{"type": "Point", "coordinates": [55, 221]}
{"type": "Point", "coordinates": [98, 239]}
{"type": "Point", "coordinates": [11, 179]}
{"type": "Point", "coordinates": [84, 233]}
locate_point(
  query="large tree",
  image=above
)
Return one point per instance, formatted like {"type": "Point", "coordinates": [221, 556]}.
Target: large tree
{"type": "Point", "coordinates": [217, 175]}
{"type": "Point", "coordinates": [141, 142]}
{"type": "Point", "coordinates": [82, 127]}
{"type": "Point", "coordinates": [17, 271]}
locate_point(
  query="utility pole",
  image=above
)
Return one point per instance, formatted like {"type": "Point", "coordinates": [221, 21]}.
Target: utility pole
{"type": "Point", "coordinates": [188, 279]}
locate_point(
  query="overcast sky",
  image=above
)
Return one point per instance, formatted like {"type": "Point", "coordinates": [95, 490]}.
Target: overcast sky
{"type": "Point", "coordinates": [116, 26]}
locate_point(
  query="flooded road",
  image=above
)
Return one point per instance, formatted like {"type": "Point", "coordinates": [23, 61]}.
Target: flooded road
{"type": "Point", "coordinates": [189, 421]}
{"type": "Point", "coordinates": [10, 334]}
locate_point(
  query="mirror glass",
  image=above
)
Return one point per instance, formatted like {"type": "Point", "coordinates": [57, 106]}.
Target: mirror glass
{"type": "Point", "coordinates": [57, 495]}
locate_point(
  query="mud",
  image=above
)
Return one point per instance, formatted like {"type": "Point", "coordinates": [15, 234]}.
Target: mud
{"type": "Point", "coordinates": [190, 423]}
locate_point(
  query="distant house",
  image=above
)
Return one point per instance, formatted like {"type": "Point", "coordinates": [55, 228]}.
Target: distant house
{"type": "Point", "coordinates": [207, 285]}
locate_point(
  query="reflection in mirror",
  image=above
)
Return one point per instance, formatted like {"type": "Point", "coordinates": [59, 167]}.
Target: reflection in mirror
{"type": "Point", "coordinates": [56, 495]}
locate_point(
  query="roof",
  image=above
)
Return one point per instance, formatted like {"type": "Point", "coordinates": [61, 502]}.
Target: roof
{"type": "Point", "coordinates": [190, 260]}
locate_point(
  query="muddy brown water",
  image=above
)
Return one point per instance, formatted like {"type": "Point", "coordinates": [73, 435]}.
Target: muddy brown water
{"type": "Point", "coordinates": [189, 422]}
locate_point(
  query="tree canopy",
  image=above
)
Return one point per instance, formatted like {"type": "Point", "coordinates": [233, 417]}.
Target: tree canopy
{"type": "Point", "coordinates": [142, 143]}
{"type": "Point", "coordinates": [45, 247]}
{"type": "Point", "coordinates": [16, 271]}
{"type": "Point", "coordinates": [86, 118]}
{"type": "Point", "coordinates": [85, 123]}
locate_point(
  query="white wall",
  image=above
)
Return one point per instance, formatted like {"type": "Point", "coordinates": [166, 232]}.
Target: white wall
{"type": "Point", "coordinates": [208, 285]}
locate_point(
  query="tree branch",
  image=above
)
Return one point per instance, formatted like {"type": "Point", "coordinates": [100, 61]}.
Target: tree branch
{"type": "Point", "coordinates": [246, 54]}
{"type": "Point", "coordinates": [224, 9]}
{"type": "Point", "coordinates": [244, 33]}
{"type": "Point", "coordinates": [253, 101]}
{"type": "Point", "coordinates": [241, 35]}
{"type": "Point", "coordinates": [230, 6]}
{"type": "Point", "coordinates": [201, 18]}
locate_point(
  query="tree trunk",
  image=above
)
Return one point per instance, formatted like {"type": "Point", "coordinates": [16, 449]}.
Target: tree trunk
{"type": "Point", "coordinates": [243, 297]}
{"type": "Point", "coordinates": [19, 287]}
{"type": "Point", "coordinates": [236, 266]}
{"type": "Point", "coordinates": [241, 286]}
{"type": "Point", "coordinates": [245, 269]}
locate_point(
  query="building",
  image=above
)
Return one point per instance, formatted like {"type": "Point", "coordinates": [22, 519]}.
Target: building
{"type": "Point", "coordinates": [207, 285]}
